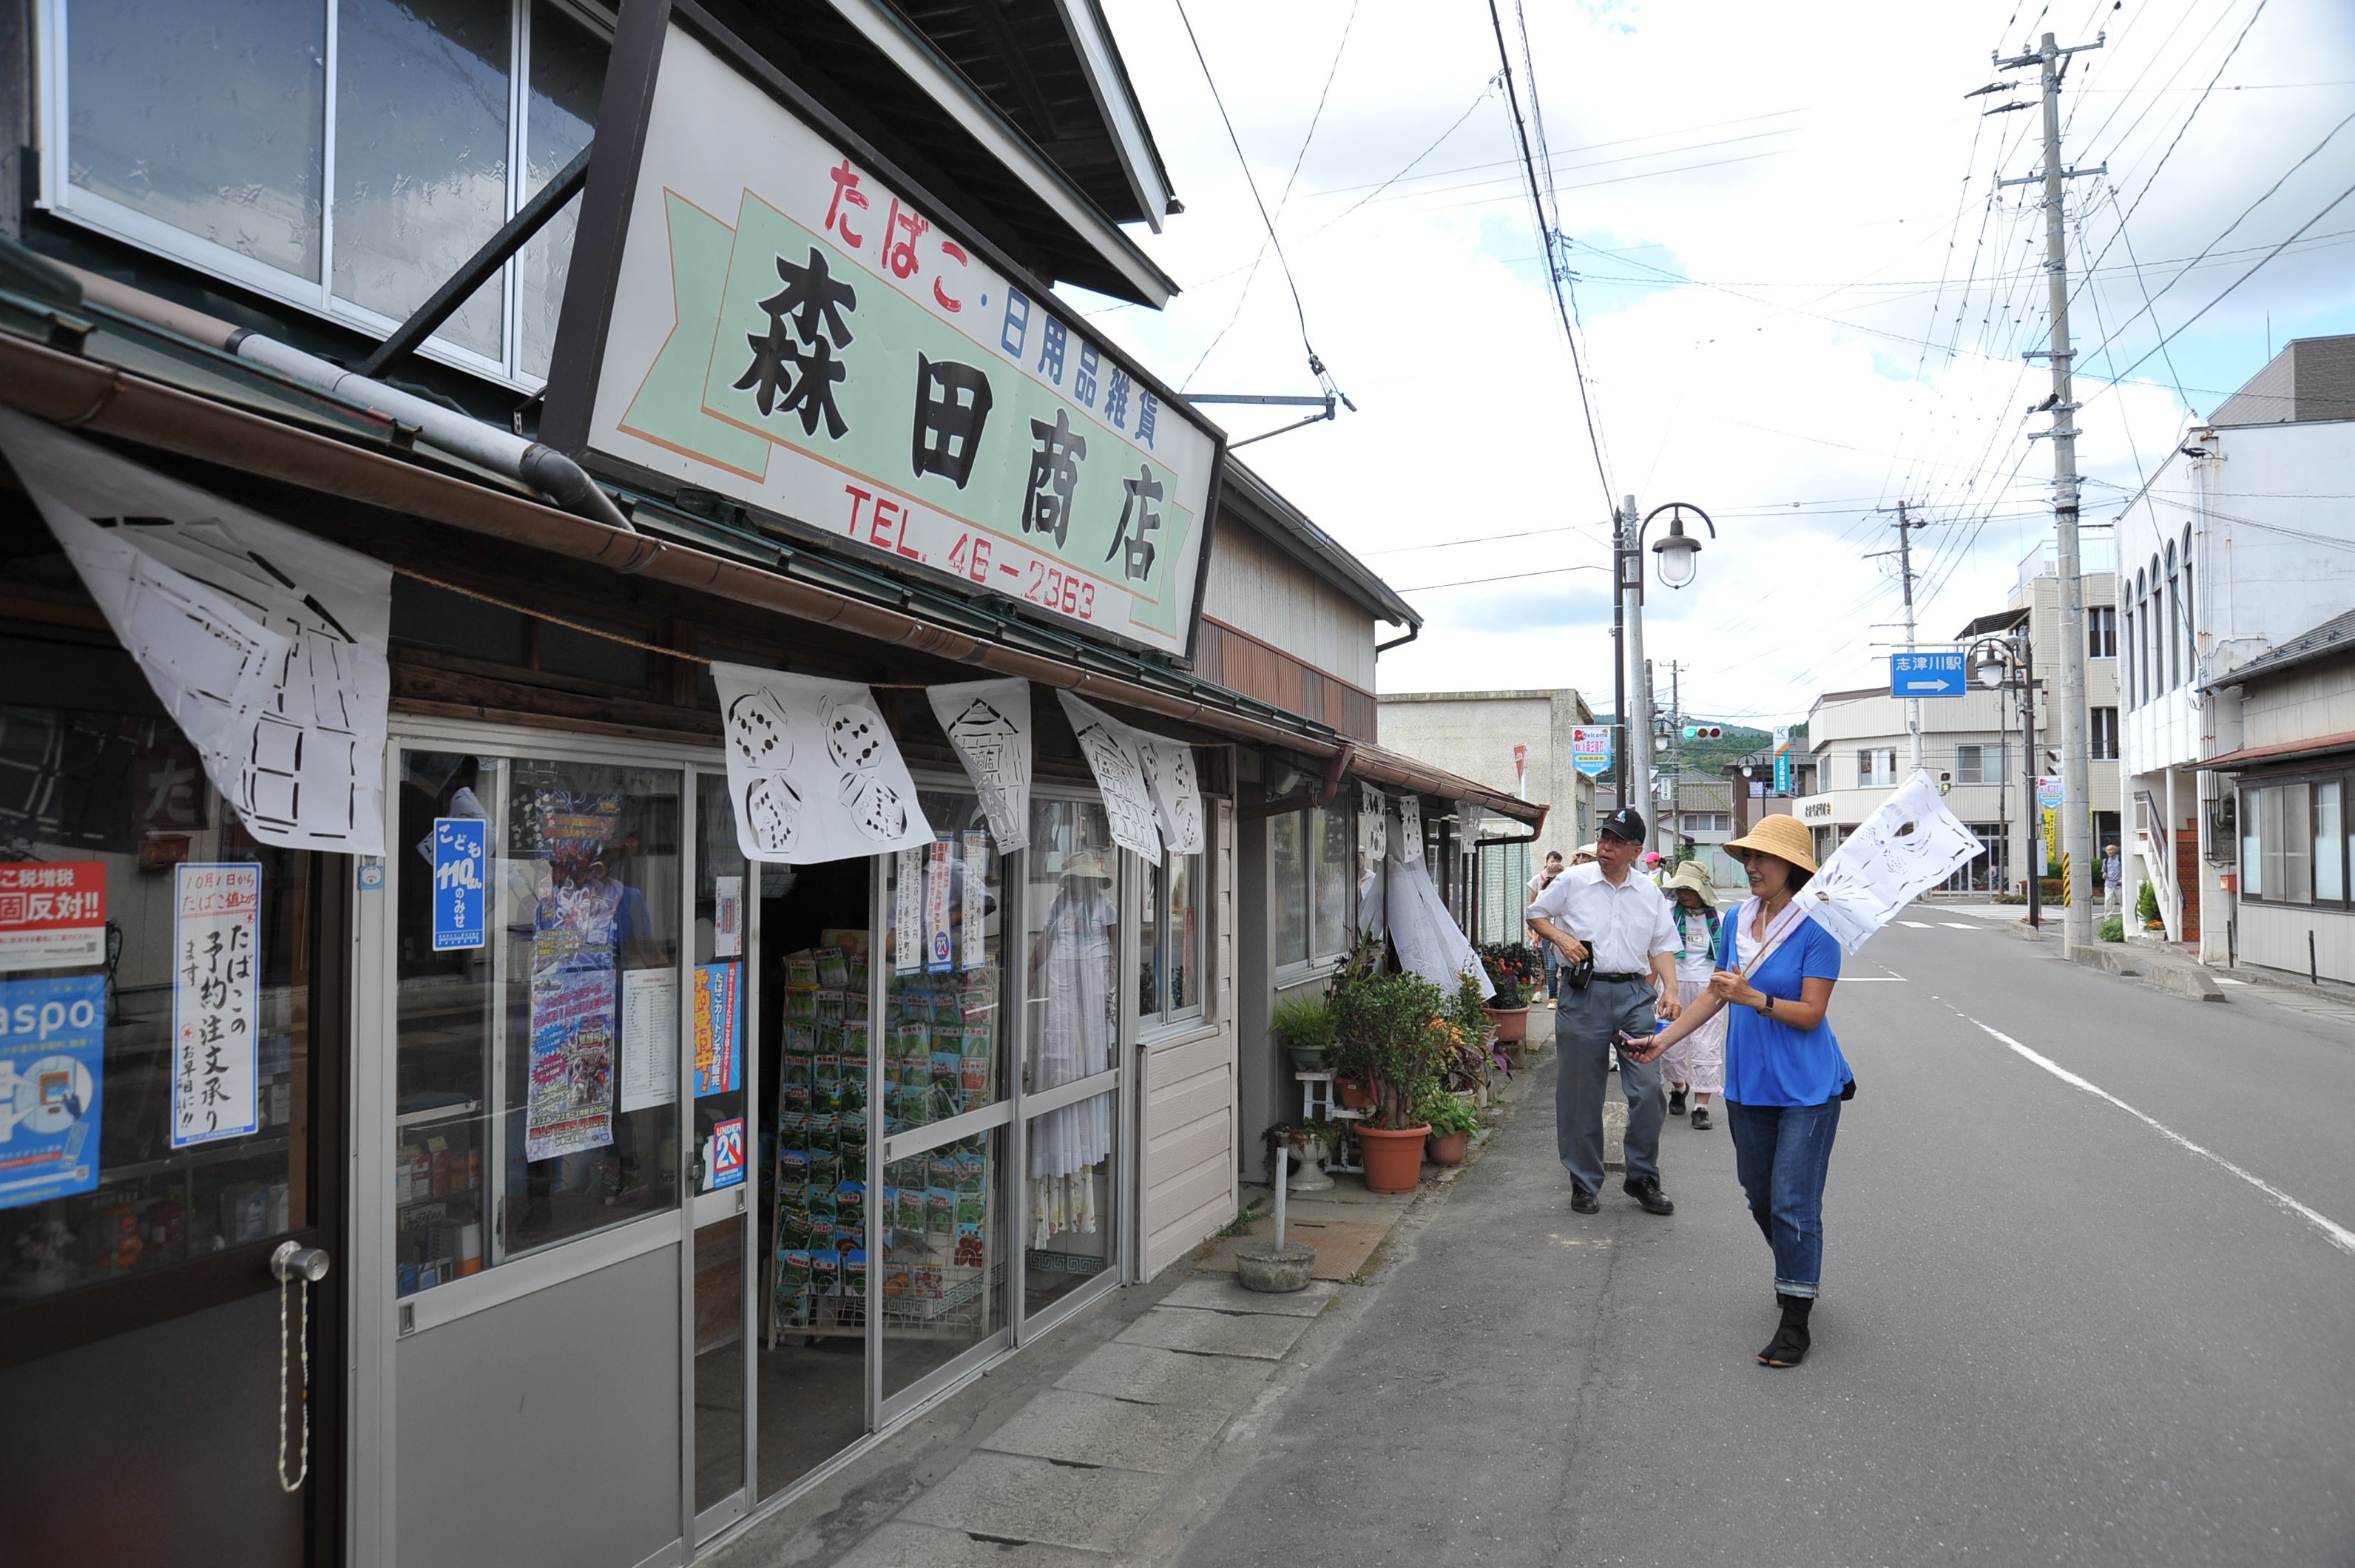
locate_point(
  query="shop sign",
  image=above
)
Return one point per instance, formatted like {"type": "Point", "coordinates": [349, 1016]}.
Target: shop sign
{"type": "Point", "coordinates": [1782, 761]}
{"type": "Point", "coordinates": [788, 329]}
{"type": "Point", "coordinates": [1814, 810]}
{"type": "Point", "coordinates": [1590, 750]}
{"type": "Point", "coordinates": [52, 914]}
{"type": "Point", "coordinates": [215, 1001]}
{"type": "Point", "coordinates": [460, 850]}
{"type": "Point", "coordinates": [52, 1045]}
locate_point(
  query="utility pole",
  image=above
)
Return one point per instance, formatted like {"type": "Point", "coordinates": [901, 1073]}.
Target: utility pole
{"type": "Point", "coordinates": [1905, 525]}
{"type": "Point", "coordinates": [2076, 792]}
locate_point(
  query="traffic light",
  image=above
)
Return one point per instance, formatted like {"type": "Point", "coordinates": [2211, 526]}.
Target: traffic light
{"type": "Point", "coordinates": [1704, 732]}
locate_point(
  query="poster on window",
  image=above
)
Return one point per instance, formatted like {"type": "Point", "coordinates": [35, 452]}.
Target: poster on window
{"type": "Point", "coordinates": [988, 725]}
{"type": "Point", "coordinates": [571, 1095]}
{"type": "Point", "coordinates": [215, 1001]}
{"type": "Point", "coordinates": [1111, 753]}
{"type": "Point", "coordinates": [939, 956]}
{"type": "Point", "coordinates": [974, 950]}
{"type": "Point", "coordinates": [266, 646]}
{"type": "Point", "coordinates": [1177, 793]}
{"type": "Point", "coordinates": [814, 772]}
{"type": "Point", "coordinates": [718, 1041]}
{"type": "Point", "coordinates": [649, 1038]}
{"type": "Point", "coordinates": [580, 915]}
{"type": "Point", "coordinates": [52, 914]}
{"type": "Point", "coordinates": [52, 1082]}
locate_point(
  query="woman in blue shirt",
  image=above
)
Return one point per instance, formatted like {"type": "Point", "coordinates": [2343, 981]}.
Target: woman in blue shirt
{"type": "Point", "coordinates": [1784, 1075]}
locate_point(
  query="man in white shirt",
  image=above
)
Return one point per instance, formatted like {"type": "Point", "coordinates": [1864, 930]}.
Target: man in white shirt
{"type": "Point", "coordinates": [1623, 922]}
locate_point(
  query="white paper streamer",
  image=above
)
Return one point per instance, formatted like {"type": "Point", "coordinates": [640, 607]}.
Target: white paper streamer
{"type": "Point", "coordinates": [1409, 844]}
{"type": "Point", "coordinates": [1429, 941]}
{"type": "Point", "coordinates": [1908, 846]}
{"type": "Point", "coordinates": [1177, 793]}
{"type": "Point", "coordinates": [1111, 749]}
{"type": "Point", "coordinates": [988, 725]}
{"type": "Point", "coordinates": [1373, 827]}
{"type": "Point", "coordinates": [265, 645]}
{"type": "Point", "coordinates": [814, 773]}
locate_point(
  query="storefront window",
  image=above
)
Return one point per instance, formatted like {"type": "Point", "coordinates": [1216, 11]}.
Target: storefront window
{"type": "Point", "coordinates": [1169, 943]}
{"type": "Point", "coordinates": [1071, 911]}
{"type": "Point", "coordinates": [1333, 829]}
{"type": "Point", "coordinates": [136, 912]}
{"type": "Point", "coordinates": [539, 1037]}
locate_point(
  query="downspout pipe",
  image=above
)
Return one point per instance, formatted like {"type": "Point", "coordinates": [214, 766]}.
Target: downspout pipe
{"type": "Point", "coordinates": [488, 446]}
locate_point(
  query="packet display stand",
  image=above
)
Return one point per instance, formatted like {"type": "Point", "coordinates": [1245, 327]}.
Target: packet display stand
{"type": "Point", "coordinates": [818, 1278]}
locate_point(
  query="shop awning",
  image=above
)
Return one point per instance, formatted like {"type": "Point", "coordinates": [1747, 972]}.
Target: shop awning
{"type": "Point", "coordinates": [2285, 751]}
{"type": "Point", "coordinates": [1394, 770]}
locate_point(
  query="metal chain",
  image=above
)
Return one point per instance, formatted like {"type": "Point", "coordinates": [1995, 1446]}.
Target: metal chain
{"type": "Point", "coordinates": [303, 1472]}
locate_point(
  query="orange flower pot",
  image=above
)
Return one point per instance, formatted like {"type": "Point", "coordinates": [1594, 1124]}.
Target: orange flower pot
{"type": "Point", "coordinates": [1393, 1159]}
{"type": "Point", "coordinates": [1446, 1149]}
{"type": "Point", "coordinates": [1355, 1095]}
{"type": "Point", "coordinates": [1511, 1023]}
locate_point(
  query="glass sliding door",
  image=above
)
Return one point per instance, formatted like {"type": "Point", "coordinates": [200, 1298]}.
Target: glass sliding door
{"type": "Point", "coordinates": [1072, 1029]}
{"type": "Point", "coordinates": [939, 1233]}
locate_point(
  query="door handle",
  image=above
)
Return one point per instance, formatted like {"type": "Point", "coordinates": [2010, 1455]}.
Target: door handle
{"type": "Point", "coordinates": [298, 1265]}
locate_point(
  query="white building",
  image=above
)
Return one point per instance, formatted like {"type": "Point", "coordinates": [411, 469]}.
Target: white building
{"type": "Point", "coordinates": [1972, 744]}
{"type": "Point", "coordinates": [2234, 552]}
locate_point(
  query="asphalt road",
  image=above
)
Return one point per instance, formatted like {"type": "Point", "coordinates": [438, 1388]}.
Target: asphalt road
{"type": "Point", "coordinates": [2049, 1332]}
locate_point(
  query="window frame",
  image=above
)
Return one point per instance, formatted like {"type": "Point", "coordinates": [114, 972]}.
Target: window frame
{"type": "Point", "coordinates": [90, 209]}
{"type": "Point", "coordinates": [1167, 1020]}
{"type": "Point", "coordinates": [1289, 971]}
{"type": "Point", "coordinates": [2102, 740]}
{"type": "Point", "coordinates": [2102, 630]}
{"type": "Point", "coordinates": [2262, 805]}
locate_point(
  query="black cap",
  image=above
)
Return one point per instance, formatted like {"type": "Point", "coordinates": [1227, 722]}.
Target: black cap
{"type": "Point", "coordinates": [1626, 823]}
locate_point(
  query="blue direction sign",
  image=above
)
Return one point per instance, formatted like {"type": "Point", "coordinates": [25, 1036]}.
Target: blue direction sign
{"type": "Point", "coordinates": [1927, 675]}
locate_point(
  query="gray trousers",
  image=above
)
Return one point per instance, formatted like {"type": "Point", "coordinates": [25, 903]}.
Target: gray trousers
{"type": "Point", "coordinates": [1584, 1024]}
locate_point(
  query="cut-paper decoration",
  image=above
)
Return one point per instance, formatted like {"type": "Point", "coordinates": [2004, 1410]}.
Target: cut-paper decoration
{"type": "Point", "coordinates": [1111, 749]}
{"type": "Point", "coordinates": [1176, 791]}
{"type": "Point", "coordinates": [1373, 827]}
{"type": "Point", "coordinates": [1410, 845]}
{"type": "Point", "coordinates": [812, 769]}
{"type": "Point", "coordinates": [1910, 844]}
{"type": "Point", "coordinates": [988, 725]}
{"type": "Point", "coordinates": [1429, 941]}
{"type": "Point", "coordinates": [265, 645]}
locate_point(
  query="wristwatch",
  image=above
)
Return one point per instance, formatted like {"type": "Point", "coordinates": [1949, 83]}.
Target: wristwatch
{"type": "Point", "coordinates": [1768, 1011]}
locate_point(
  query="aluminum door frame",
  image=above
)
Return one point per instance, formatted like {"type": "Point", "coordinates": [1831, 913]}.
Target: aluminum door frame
{"type": "Point", "coordinates": [372, 1427]}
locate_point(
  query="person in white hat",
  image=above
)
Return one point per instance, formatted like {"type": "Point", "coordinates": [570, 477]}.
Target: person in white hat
{"type": "Point", "coordinates": [1695, 1065]}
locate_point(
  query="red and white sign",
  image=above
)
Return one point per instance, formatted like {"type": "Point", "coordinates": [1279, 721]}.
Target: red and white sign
{"type": "Point", "coordinates": [52, 915]}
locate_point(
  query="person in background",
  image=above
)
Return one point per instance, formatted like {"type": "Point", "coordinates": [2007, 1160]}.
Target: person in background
{"type": "Point", "coordinates": [1582, 855]}
{"type": "Point", "coordinates": [1606, 915]}
{"type": "Point", "coordinates": [1785, 1079]}
{"type": "Point", "coordinates": [1538, 884]}
{"type": "Point", "coordinates": [1696, 1065]}
{"type": "Point", "coordinates": [2112, 870]}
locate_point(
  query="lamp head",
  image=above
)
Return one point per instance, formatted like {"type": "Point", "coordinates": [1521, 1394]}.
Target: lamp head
{"type": "Point", "coordinates": [1677, 550]}
{"type": "Point", "coordinates": [1989, 664]}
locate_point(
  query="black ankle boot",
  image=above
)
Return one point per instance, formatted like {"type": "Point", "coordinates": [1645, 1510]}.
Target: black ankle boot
{"type": "Point", "coordinates": [1789, 1346]}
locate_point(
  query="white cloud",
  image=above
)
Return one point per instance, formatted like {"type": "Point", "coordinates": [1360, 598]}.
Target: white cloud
{"type": "Point", "coordinates": [1848, 203]}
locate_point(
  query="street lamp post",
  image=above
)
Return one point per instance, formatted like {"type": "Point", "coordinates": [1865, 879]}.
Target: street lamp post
{"type": "Point", "coordinates": [2009, 662]}
{"type": "Point", "coordinates": [1676, 551]}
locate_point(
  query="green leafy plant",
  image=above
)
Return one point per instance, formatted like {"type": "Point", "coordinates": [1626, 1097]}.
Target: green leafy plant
{"type": "Point", "coordinates": [2147, 905]}
{"type": "Point", "coordinates": [1447, 1113]}
{"type": "Point", "coordinates": [1318, 1139]}
{"type": "Point", "coordinates": [2114, 930]}
{"type": "Point", "coordinates": [1395, 1034]}
{"type": "Point", "coordinates": [1304, 1026]}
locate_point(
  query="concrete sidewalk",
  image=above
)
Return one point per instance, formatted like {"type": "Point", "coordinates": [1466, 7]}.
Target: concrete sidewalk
{"type": "Point", "coordinates": [1091, 1446]}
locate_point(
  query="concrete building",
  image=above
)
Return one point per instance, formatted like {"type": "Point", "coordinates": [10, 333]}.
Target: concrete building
{"type": "Point", "coordinates": [2233, 554]}
{"type": "Point", "coordinates": [1518, 742]}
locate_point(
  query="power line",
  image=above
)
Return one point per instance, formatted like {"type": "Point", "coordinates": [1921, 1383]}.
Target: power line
{"type": "Point", "coordinates": [1553, 273]}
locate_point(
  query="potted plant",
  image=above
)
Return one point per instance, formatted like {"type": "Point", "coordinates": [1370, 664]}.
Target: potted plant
{"type": "Point", "coordinates": [1513, 968]}
{"type": "Point", "coordinates": [1452, 1121]}
{"type": "Point", "coordinates": [2147, 909]}
{"type": "Point", "coordinates": [1309, 1140]}
{"type": "Point", "coordinates": [1394, 1035]}
{"type": "Point", "coordinates": [1303, 1027]}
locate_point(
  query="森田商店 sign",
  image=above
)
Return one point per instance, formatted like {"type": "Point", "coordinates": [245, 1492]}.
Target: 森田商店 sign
{"type": "Point", "coordinates": [789, 331]}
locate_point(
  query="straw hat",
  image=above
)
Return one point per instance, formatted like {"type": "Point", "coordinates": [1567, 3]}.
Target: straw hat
{"type": "Point", "coordinates": [1784, 838]}
{"type": "Point", "coordinates": [1084, 863]}
{"type": "Point", "coordinates": [1585, 850]}
{"type": "Point", "coordinates": [1691, 875]}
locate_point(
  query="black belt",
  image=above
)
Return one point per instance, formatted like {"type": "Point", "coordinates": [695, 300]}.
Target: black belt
{"type": "Point", "coordinates": [1623, 977]}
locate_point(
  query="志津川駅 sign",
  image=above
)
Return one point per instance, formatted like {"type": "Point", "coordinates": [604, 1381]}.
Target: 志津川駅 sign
{"type": "Point", "coordinates": [790, 331]}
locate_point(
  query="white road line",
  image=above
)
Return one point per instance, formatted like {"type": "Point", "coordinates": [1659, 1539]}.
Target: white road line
{"type": "Point", "coordinates": [1916, 925]}
{"type": "Point", "coordinates": [2341, 1236]}
{"type": "Point", "coordinates": [1960, 924]}
{"type": "Point", "coordinates": [1867, 979]}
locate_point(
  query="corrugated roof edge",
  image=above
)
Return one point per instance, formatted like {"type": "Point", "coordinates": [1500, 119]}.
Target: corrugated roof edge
{"type": "Point", "coordinates": [2336, 635]}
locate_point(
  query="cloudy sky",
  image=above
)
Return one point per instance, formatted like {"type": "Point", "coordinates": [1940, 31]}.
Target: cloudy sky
{"type": "Point", "coordinates": [1801, 296]}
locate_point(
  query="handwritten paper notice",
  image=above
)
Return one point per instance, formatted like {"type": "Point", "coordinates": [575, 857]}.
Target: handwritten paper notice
{"type": "Point", "coordinates": [215, 1001]}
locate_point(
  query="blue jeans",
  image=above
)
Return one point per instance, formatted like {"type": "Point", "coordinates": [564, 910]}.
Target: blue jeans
{"type": "Point", "coordinates": [1780, 1154]}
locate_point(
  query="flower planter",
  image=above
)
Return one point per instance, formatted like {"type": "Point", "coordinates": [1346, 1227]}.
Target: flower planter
{"type": "Point", "coordinates": [1393, 1159]}
{"type": "Point", "coordinates": [1511, 1023]}
{"type": "Point", "coordinates": [1445, 1148]}
{"type": "Point", "coordinates": [1355, 1096]}
{"type": "Point", "coordinates": [1309, 1061]}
